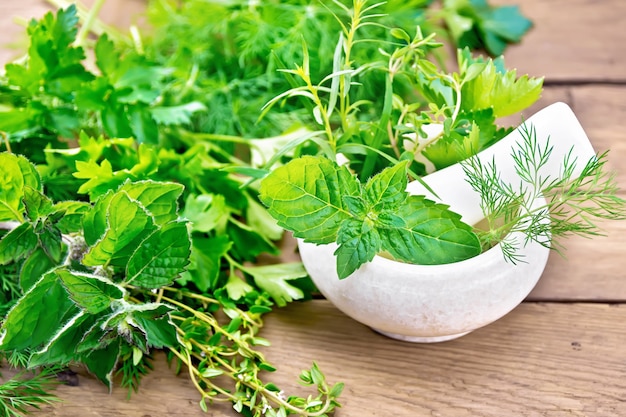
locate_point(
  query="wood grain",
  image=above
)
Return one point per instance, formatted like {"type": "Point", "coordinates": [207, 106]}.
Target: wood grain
{"type": "Point", "coordinates": [542, 359]}
{"type": "Point", "coordinates": [572, 40]}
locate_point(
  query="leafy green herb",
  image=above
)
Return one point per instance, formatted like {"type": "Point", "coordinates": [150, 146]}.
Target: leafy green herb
{"type": "Point", "coordinates": [322, 202]}
{"type": "Point", "coordinates": [108, 299]}
{"type": "Point", "coordinates": [137, 187]}
{"type": "Point", "coordinates": [573, 201]}
{"type": "Point", "coordinates": [447, 118]}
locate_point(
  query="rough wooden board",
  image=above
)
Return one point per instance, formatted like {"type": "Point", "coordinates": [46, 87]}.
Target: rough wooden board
{"type": "Point", "coordinates": [540, 360]}
{"type": "Point", "coordinates": [572, 40]}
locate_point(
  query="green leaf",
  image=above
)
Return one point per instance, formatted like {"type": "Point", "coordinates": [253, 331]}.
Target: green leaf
{"type": "Point", "coordinates": [357, 245]}
{"type": "Point", "coordinates": [17, 244]}
{"type": "Point", "coordinates": [176, 115]}
{"type": "Point", "coordinates": [432, 235]}
{"type": "Point", "coordinates": [504, 92]}
{"type": "Point", "coordinates": [205, 261]}
{"type": "Point", "coordinates": [50, 240]}
{"type": "Point", "coordinates": [236, 288]}
{"type": "Point", "coordinates": [260, 220]}
{"type": "Point", "coordinates": [356, 206]}
{"type": "Point", "coordinates": [92, 293]}
{"type": "Point", "coordinates": [206, 212]}
{"type": "Point", "coordinates": [160, 199]}
{"type": "Point", "coordinates": [102, 362]}
{"type": "Point", "coordinates": [34, 267]}
{"type": "Point", "coordinates": [388, 187]}
{"type": "Point", "coordinates": [506, 22]}
{"type": "Point", "coordinates": [161, 257]}
{"type": "Point", "coordinates": [247, 242]}
{"type": "Point", "coordinates": [73, 212]}
{"type": "Point", "coordinates": [37, 315]}
{"type": "Point", "coordinates": [306, 197]}
{"type": "Point", "coordinates": [37, 205]}
{"type": "Point", "coordinates": [160, 330]}
{"type": "Point", "coordinates": [61, 348]}
{"type": "Point", "coordinates": [95, 221]}
{"type": "Point", "coordinates": [274, 279]}
{"type": "Point", "coordinates": [17, 173]}
{"type": "Point", "coordinates": [101, 177]}
{"type": "Point", "coordinates": [126, 223]}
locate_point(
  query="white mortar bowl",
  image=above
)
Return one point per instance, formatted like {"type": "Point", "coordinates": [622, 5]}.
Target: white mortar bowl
{"type": "Point", "coordinates": [427, 303]}
{"type": "Point", "coordinates": [422, 303]}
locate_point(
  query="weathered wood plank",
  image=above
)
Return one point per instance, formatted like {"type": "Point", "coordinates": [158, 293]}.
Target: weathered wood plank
{"type": "Point", "coordinates": [540, 360]}
{"type": "Point", "coordinates": [572, 40]}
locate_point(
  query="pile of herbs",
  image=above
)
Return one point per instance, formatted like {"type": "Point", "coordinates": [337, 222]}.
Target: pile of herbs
{"type": "Point", "coordinates": [351, 188]}
{"type": "Point", "coordinates": [126, 224]}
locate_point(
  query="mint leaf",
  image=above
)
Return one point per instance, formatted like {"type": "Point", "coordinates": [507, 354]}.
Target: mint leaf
{"type": "Point", "coordinates": [102, 362]}
{"type": "Point", "coordinates": [432, 235]}
{"type": "Point", "coordinates": [50, 240]}
{"type": "Point", "coordinates": [358, 243]}
{"type": "Point", "coordinates": [37, 315]}
{"type": "Point", "coordinates": [17, 173]}
{"type": "Point", "coordinates": [126, 222]}
{"type": "Point", "coordinates": [73, 212]}
{"type": "Point", "coordinates": [161, 257]}
{"type": "Point", "coordinates": [17, 244]}
{"type": "Point", "coordinates": [306, 196]}
{"type": "Point", "coordinates": [158, 326]}
{"type": "Point", "coordinates": [61, 348]}
{"type": "Point", "coordinates": [37, 205]}
{"type": "Point", "coordinates": [91, 293]}
{"type": "Point", "coordinates": [95, 220]}
{"type": "Point", "coordinates": [388, 187]}
{"type": "Point", "coordinates": [34, 267]}
{"type": "Point", "coordinates": [160, 199]}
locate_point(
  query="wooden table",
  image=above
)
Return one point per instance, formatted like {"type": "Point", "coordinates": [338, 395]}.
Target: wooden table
{"type": "Point", "coordinates": [561, 353]}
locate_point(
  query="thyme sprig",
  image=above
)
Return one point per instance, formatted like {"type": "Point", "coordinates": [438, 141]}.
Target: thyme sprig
{"type": "Point", "coordinates": [210, 349]}
{"type": "Point", "coordinates": [574, 201]}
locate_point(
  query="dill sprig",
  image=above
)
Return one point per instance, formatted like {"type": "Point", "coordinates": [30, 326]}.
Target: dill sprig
{"type": "Point", "coordinates": [20, 394]}
{"type": "Point", "coordinates": [574, 202]}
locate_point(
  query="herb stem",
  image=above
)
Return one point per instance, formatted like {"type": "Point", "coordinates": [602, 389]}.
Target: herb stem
{"type": "Point", "coordinates": [87, 26]}
{"type": "Point", "coordinates": [5, 139]}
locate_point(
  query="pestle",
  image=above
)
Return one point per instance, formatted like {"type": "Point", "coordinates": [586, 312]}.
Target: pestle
{"type": "Point", "coordinates": [556, 122]}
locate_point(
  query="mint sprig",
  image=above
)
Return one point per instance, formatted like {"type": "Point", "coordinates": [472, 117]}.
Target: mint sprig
{"type": "Point", "coordinates": [322, 202]}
